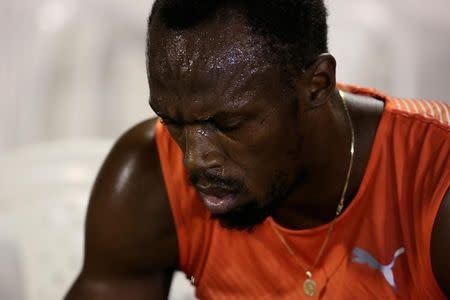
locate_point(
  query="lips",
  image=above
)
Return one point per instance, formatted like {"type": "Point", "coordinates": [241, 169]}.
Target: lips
{"type": "Point", "coordinates": [218, 200]}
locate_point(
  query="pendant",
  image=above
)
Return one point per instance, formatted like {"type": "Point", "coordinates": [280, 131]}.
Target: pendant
{"type": "Point", "coordinates": [309, 286]}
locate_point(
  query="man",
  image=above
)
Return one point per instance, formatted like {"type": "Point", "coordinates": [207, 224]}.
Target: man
{"type": "Point", "coordinates": [265, 179]}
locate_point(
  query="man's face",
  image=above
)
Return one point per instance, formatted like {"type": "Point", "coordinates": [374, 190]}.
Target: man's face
{"type": "Point", "coordinates": [231, 113]}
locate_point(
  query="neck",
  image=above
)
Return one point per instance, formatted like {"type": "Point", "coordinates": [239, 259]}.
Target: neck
{"type": "Point", "coordinates": [314, 200]}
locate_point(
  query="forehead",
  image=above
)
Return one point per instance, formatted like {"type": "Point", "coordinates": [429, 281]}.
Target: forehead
{"type": "Point", "coordinates": [223, 44]}
{"type": "Point", "coordinates": [220, 66]}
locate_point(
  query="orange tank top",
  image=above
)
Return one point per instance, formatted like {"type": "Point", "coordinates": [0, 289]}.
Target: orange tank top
{"type": "Point", "coordinates": [380, 247]}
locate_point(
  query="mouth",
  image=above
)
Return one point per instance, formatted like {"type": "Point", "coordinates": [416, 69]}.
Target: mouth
{"type": "Point", "coordinates": [218, 201]}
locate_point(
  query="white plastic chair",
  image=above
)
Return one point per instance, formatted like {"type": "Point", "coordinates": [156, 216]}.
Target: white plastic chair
{"type": "Point", "coordinates": [44, 191]}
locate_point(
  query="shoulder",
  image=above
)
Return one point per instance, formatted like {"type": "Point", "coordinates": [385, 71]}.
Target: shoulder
{"type": "Point", "coordinates": [135, 154]}
{"type": "Point", "coordinates": [129, 223]}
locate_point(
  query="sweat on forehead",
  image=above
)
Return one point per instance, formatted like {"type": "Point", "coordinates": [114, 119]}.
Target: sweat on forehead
{"type": "Point", "coordinates": [210, 47]}
{"type": "Point", "coordinates": [294, 32]}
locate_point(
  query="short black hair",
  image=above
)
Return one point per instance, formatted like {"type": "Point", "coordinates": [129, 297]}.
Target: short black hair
{"type": "Point", "coordinates": [296, 31]}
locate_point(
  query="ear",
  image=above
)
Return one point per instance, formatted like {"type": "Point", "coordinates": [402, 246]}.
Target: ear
{"type": "Point", "coordinates": [318, 81]}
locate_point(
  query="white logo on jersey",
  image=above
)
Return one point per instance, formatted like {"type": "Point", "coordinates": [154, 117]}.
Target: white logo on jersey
{"type": "Point", "coordinates": [363, 257]}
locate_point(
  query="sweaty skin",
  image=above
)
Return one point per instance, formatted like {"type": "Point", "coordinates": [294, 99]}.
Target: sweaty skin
{"type": "Point", "coordinates": [230, 112]}
{"type": "Point", "coordinates": [131, 246]}
{"type": "Point", "coordinates": [240, 118]}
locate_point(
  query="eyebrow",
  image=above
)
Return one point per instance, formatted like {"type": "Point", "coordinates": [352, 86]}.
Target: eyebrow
{"type": "Point", "coordinates": [238, 100]}
{"type": "Point", "coordinates": [219, 115]}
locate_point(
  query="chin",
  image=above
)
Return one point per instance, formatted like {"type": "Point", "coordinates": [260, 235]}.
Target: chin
{"type": "Point", "coordinates": [244, 218]}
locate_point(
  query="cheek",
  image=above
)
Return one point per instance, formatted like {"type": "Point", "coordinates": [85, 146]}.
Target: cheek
{"type": "Point", "coordinates": [266, 152]}
{"type": "Point", "coordinates": [263, 175]}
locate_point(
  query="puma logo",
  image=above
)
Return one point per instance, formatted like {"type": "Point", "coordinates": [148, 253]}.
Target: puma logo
{"type": "Point", "coordinates": [363, 257]}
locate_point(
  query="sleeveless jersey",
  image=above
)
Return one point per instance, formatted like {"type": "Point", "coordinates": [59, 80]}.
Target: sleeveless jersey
{"type": "Point", "coordinates": [380, 246]}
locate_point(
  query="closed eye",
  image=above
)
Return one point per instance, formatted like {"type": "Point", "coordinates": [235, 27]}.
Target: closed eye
{"type": "Point", "coordinates": [227, 128]}
{"type": "Point", "coordinates": [229, 125]}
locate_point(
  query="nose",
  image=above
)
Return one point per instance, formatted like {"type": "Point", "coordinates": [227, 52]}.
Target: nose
{"type": "Point", "coordinates": [200, 151]}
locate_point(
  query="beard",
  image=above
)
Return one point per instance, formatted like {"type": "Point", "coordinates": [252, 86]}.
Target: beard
{"type": "Point", "coordinates": [247, 216]}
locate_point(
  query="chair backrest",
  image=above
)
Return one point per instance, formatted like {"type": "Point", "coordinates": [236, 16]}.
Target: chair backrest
{"type": "Point", "coordinates": [44, 192]}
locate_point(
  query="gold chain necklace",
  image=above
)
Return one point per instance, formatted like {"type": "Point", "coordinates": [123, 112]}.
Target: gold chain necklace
{"type": "Point", "coordinates": [310, 286]}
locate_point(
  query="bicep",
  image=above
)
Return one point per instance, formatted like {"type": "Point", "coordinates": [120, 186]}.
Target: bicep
{"type": "Point", "coordinates": [440, 245]}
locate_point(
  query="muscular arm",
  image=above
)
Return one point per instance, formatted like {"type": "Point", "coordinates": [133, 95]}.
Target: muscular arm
{"type": "Point", "coordinates": [131, 246]}
{"type": "Point", "coordinates": [440, 246]}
